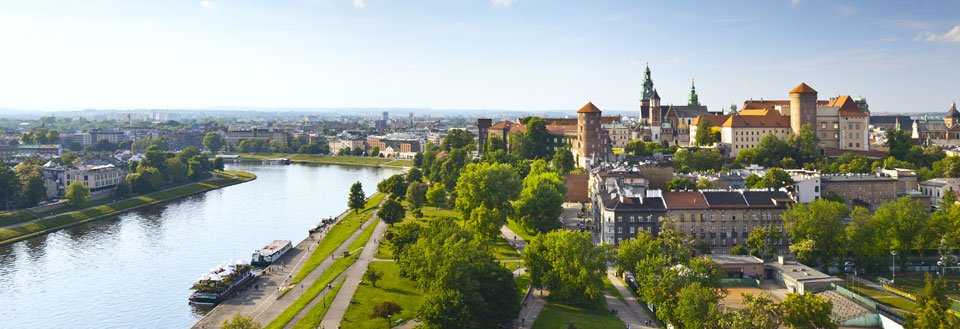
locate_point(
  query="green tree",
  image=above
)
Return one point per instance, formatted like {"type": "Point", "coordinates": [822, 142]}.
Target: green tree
{"type": "Point", "coordinates": [698, 160]}
{"type": "Point", "coordinates": [932, 307]}
{"type": "Point", "coordinates": [9, 186]}
{"type": "Point", "coordinates": [32, 188]}
{"type": "Point", "coordinates": [761, 241]}
{"type": "Point", "coordinates": [807, 310]}
{"type": "Point", "coordinates": [457, 138]}
{"type": "Point", "coordinates": [704, 184]}
{"type": "Point", "coordinates": [948, 167]}
{"type": "Point", "coordinates": [357, 199]}
{"type": "Point", "coordinates": [395, 186]}
{"type": "Point", "coordinates": [899, 142]}
{"type": "Point", "coordinates": [385, 310]}
{"type": "Point", "coordinates": [145, 180]}
{"type": "Point", "coordinates": [903, 224]}
{"type": "Point", "coordinates": [681, 184]}
{"type": "Point", "coordinates": [819, 222]}
{"type": "Point", "coordinates": [437, 196]}
{"type": "Point", "coordinates": [240, 322]}
{"type": "Point", "coordinates": [213, 142]}
{"type": "Point", "coordinates": [176, 170]}
{"type": "Point", "coordinates": [541, 199]}
{"type": "Point", "coordinates": [375, 151]}
{"type": "Point", "coordinates": [418, 160]}
{"type": "Point", "coordinates": [485, 223]}
{"type": "Point", "coordinates": [536, 140]}
{"type": "Point", "coordinates": [568, 264]}
{"type": "Point", "coordinates": [373, 275]}
{"type": "Point", "coordinates": [102, 145]}
{"type": "Point", "coordinates": [77, 193]}
{"type": "Point", "coordinates": [218, 164]}
{"type": "Point", "coordinates": [563, 160]}
{"type": "Point", "coordinates": [490, 185]}
{"type": "Point", "coordinates": [704, 137]}
{"type": "Point", "coordinates": [144, 144]}
{"type": "Point", "coordinates": [198, 168]}
{"type": "Point", "coordinates": [416, 194]}
{"type": "Point", "coordinates": [759, 312]}
{"type": "Point", "coordinates": [414, 175]}
{"type": "Point", "coordinates": [698, 306]}
{"type": "Point", "coordinates": [754, 181]}
{"type": "Point", "coordinates": [391, 212]}
{"type": "Point", "coordinates": [777, 178]}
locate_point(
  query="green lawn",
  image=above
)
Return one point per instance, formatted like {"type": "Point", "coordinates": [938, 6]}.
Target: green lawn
{"type": "Point", "coordinates": [391, 287]}
{"type": "Point", "coordinates": [884, 297]}
{"type": "Point", "coordinates": [103, 209]}
{"type": "Point", "coordinates": [523, 282]}
{"type": "Point", "coordinates": [310, 158]}
{"type": "Point", "coordinates": [313, 317]}
{"type": "Point", "coordinates": [315, 289]}
{"type": "Point", "coordinates": [610, 289]}
{"type": "Point", "coordinates": [502, 249]}
{"type": "Point", "coordinates": [519, 230]}
{"type": "Point", "coordinates": [401, 163]}
{"type": "Point", "coordinates": [337, 235]}
{"type": "Point", "coordinates": [558, 315]}
{"type": "Point", "coordinates": [913, 283]}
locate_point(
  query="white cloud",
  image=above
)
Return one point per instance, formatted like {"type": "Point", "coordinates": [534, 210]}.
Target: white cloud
{"type": "Point", "coordinates": [794, 3]}
{"type": "Point", "coordinates": [360, 3]}
{"type": "Point", "coordinates": [503, 3]}
{"type": "Point", "coordinates": [208, 4]}
{"type": "Point", "coordinates": [952, 36]}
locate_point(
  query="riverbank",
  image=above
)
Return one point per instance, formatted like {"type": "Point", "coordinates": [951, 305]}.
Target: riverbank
{"type": "Point", "coordinates": [331, 159]}
{"type": "Point", "coordinates": [63, 220]}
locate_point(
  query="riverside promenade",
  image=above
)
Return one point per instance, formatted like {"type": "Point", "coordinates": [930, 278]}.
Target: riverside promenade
{"type": "Point", "coordinates": [260, 300]}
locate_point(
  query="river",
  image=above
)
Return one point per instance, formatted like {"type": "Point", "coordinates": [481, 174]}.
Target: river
{"type": "Point", "coordinates": [135, 270]}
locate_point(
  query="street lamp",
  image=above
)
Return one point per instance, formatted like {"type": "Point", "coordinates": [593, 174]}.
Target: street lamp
{"type": "Point", "coordinates": [893, 252]}
{"type": "Point", "coordinates": [389, 321]}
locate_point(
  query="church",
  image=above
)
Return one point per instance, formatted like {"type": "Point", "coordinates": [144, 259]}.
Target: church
{"type": "Point", "coordinates": [666, 123]}
{"type": "Point", "coordinates": [944, 132]}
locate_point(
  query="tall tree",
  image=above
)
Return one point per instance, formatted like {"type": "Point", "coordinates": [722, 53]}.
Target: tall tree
{"type": "Point", "coordinates": [704, 136]}
{"type": "Point", "coordinates": [9, 187]}
{"type": "Point", "coordinates": [932, 307]}
{"type": "Point", "coordinates": [416, 194]}
{"type": "Point", "coordinates": [385, 310]}
{"type": "Point", "coordinates": [536, 139]}
{"type": "Point", "coordinates": [541, 199]}
{"type": "Point", "coordinates": [395, 185]}
{"type": "Point", "coordinates": [568, 264]}
{"type": "Point", "coordinates": [357, 199]}
{"type": "Point", "coordinates": [563, 160]}
{"type": "Point", "coordinates": [77, 193]}
{"type": "Point", "coordinates": [457, 138]}
{"type": "Point", "coordinates": [218, 164]}
{"type": "Point", "coordinates": [698, 306]}
{"type": "Point", "coordinates": [437, 196]}
{"type": "Point", "coordinates": [807, 311]}
{"type": "Point", "coordinates": [391, 212]}
{"type": "Point", "coordinates": [816, 228]}
{"type": "Point", "coordinates": [681, 184]}
{"type": "Point", "coordinates": [903, 224]}
{"type": "Point", "coordinates": [490, 185]}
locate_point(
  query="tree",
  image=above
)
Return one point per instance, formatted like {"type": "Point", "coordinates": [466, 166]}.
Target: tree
{"type": "Point", "coordinates": [817, 224]}
{"type": "Point", "coordinates": [373, 275]}
{"type": "Point", "coordinates": [490, 185]}
{"type": "Point", "coordinates": [759, 312]}
{"type": "Point", "coordinates": [568, 264]}
{"type": "Point", "coordinates": [176, 170]}
{"type": "Point", "coordinates": [563, 160]}
{"type": "Point", "coordinates": [949, 166]}
{"type": "Point", "coordinates": [31, 181]}
{"type": "Point", "coordinates": [777, 178]}
{"type": "Point", "coordinates": [386, 310]}
{"type": "Point", "coordinates": [535, 141]}
{"type": "Point", "coordinates": [698, 306]}
{"type": "Point", "coordinates": [416, 194]}
{"type": "Point", "coordinates": [391, 212]}
{"type": "Point", "coordinates": [457, 138]}
{"type": "Point", "coordinates": [414, 175]}
{"type": "Point", "coordinates": [704, 184]}
{"type": "Point", "coordinates": [698, 160]}
{"type": "Point", "coordinates": [540, 203]}
{"type": "Point", "coordinates": [357, 199]}
{"type": "Point", "coordinates": [103, 145]}
{"type": "Point", "coordinates": [145, 144]}
{"type": "Point", "coordinates": [418, 160]}
{"type": "Point", "coordinates": [437, 196]}
{"type": "Point", "coordinates": [240, 322]}
{"type": "Point", "coordinates": [218, 164]}
{"type": "Point", "coordinates": [375, 151]}
{"type": "Point", "coordinates": [899, 142]}
{"type": "Point", "coordinates": [145, 180]}
{"type": "Point", "coordinates": [760, 242]}
{"type": "Point", "coordinates": [681, 184]}
{"type": "Point", "coordinates": [636, 147]}
{"type": "Point", "coordinates": [903, 224]}
{"type": "Point", "coordinates": [704, 137]}
{"type": "Point", "coordinates": [213, 142]}
{"type": "Point", "coordinates": [198, 168]}
{"type": "Point", "coordinates": [485, 223]}
{"type": "Point", "coordinates": [932, 307]}
{"type": "Point", "coordinates": [807, 311]}
{"type": "Point", "coordinates": [862, 238]}
{"type": "Point", "coordinates": [394, 185]}
{"type": "Point", "coordinates": [753, 181]}
{"type": "Point", "coordinates": [9, 186]}
{"type": "Point", "coordinates": [77, 193]}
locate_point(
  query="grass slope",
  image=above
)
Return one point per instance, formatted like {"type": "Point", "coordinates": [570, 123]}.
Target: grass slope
{"type": "Point", "coordinates": [337, 235]}
{"type": "Point", "coordinates": [329, 159]}
{"type": "Point", "coordinates": [316, 313]}
{"type": "Point", "coordinates": [391, 287]}
{"type": "Point", "coordinates": [558, 315]}
{"type": "Point", "coordinates": [67, 218]}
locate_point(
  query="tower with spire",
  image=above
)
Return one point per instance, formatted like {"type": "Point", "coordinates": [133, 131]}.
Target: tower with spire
{"type": "Point", "coordinates": [693, 100]}
{"type": "Point", "coordinates": [952, 117]}
{"type": "Point", "coordinates": [647, 83]}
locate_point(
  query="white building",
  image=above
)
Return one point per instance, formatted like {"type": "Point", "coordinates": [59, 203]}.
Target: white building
{"type": "Point", "coordinates": [806, 186]}
{"type": "Point", "coordinates": [938, 187]}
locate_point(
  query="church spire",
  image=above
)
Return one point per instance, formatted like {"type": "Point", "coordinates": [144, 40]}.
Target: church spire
{"type": "Point", "coordinates": [647, 83]}
{"type": "Point", "coordinates": [693, 99]}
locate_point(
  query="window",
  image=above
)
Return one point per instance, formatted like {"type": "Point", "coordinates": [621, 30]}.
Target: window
{"type": "Point", "coordinates": [619, 230]}
{"type": "Point", "coordinates": [823, 125]}
{"type": "Point", "coordinates": [836, 125]}
{"type": "Point", "coordinates": [633, 230]}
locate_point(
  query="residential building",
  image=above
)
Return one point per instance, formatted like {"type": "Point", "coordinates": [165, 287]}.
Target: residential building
{"type": "Point", "coordinates": [101, 178]}
{"type": "Point", "coordinates": [623, 206]}
{"type": "Point", "coordinates": [865, 190]}
{"type": "Point", "coordinates": [937, 188]}
{"type": "Point", "coordinates": [945, 132]}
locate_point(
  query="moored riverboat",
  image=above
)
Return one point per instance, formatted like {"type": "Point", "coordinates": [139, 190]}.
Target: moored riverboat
{"type": "Point", "coordinates": [271, 252]}
{"type": "Point", "coordinates": [276, 161]}
{"type": "Point", "coordinates": [222, 283]}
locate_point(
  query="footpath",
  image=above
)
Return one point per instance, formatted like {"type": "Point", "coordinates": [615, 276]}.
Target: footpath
{"type": "Point", "coordinates": [629, 309]}
{"type": "Point", "coordinates": [533, 301]}
{"type": "Point", "coordinates": [261, 300]}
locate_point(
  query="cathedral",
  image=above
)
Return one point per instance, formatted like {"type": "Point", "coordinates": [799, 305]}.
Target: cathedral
{"type": "Point", "coordinates": [666, 123]}
{"type": "Point", "coordinates": [944, 132]}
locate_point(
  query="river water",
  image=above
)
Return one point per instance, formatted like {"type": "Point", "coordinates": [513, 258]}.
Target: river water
{"type": "Point", "coordinates": [135, 270]}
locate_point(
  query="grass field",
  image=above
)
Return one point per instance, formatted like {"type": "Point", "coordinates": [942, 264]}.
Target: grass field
{"type": "Point", "coordinates": [523, 282]}
{"type": "Point", "coordinates": [392, 288]}
{"type": "Point", "coordinates": [913, 283]}
{"type": "Point", "coordinates": [329, 159]}
{"type": "Point", "coordinates": [520, 231]}
{"type": "Point", "coordinates": [884, 297]}
{"type": "Point", "coordinates": [315, 289]}
{"type": "Point", "coordinates": [313, 317]}
{"type": "Point", "coordinates": [400, 163]}
{"type": "Point", "coordinates": [103, 210]}
{"type": "Point", "coordinates": [337, 235]}
{"type": "Point", "coordinates": [559, 315]}
{"type": "Point", "coordinates": [610, 289]}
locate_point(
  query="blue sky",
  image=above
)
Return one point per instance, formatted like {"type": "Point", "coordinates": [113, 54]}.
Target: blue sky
{"type": "Point", "coordinates": [904, 56]}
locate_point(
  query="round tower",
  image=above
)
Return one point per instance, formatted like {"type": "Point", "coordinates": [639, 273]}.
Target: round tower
{"type": "Point", "coordinates": [803, 107]}
{"type": "Point", "coordinates": [588, 133]}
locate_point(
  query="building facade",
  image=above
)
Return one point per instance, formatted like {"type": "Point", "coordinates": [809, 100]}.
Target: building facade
{"type": "Point", "coordinates": [944, 132]}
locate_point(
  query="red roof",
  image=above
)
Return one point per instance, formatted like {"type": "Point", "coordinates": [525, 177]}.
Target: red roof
{"type": "Point", "coordinates": [589, 108]}
{"type": "Point", "coordinates": [802, 88]}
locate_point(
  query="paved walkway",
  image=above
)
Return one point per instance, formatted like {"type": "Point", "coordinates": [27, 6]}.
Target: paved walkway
{"type": "Point", "coordinates": [630, 311]}
{"type": "Point", "coordinates": [354, 275]}
{"type": "Point", "coordinates": [534, 301]}
{"type": "Point", "coordinates": [261, 302]}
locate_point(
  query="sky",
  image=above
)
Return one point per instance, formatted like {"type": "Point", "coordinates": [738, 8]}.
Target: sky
{"type": "Point", "coordinates": [903, 56]}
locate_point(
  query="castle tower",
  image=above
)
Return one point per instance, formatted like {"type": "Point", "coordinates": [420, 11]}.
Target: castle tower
{"type": "Point", "coordinates": [693, 99]}
{"type": "Point", "coordinates": [803, 107]}
{"type": "Point", "coordinates": [952, 117]}
{"type": "Point", "coordinates": [655, 116]}
{"type": "Point", "coordinates": [588, 134]}
{"type": "Point", "coordinates": [647, 83]}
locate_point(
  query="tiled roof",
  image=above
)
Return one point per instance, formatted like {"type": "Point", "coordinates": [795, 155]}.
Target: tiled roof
{"type": "Point", "coordinates": [773, 119]}
{"type": "Point", "coordinates": [682, 111]}
{"type": "Point", "coordinates": [687, 199]}
{"type": "Point", "coordinates": [589, 108]}
{"type": "Point", "coordinates": [724, 199]}
{"type": "Point", "coordinates": [952, 112]}
{"type": "Point", "coordinates": [632, 203]}
{"type": "Point", "coordinates": [715, 120]}
{"type": "Point", "coordinates": [766, 198]}
{"type": "Point", "coordinates": [847, 106]}
{"type": "Point", "coordinates": [802, 88]}
{"type": "Point", "coordinates": [905, 121]}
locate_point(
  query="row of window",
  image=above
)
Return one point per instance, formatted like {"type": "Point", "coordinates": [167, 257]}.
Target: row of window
{"type": "Point", "coordinates": [723, 217]}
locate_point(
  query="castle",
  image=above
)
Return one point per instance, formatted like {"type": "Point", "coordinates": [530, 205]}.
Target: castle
{"type": "Point", "coordinates": [666, 123]}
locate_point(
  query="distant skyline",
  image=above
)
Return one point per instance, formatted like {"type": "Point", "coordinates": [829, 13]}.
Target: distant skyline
{"type": "Point", "coordinates": [524, 55]}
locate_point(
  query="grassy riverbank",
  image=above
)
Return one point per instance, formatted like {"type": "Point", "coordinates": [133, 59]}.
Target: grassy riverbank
{"type": "Point", "coordinates": [324, 159]}
{"type": "Point", "coordinates": [67, 217]}
{"type": "Point", "coordinates": [337, 235]}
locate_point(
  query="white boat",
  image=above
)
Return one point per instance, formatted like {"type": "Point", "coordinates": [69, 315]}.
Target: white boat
{"type": "Point", "coordinates": [271, 252]}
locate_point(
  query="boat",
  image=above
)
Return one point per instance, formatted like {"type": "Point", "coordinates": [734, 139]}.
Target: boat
{"type": "Point", "coordinates": [222, 283]}
{"type": "Point", "coordinates": [276, 161]}
{"type": "Point", "coordinates": [323, 223]}
{"type": "Point", "coordinates": [271, 252]}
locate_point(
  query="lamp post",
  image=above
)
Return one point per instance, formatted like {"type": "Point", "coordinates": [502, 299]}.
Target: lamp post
{"type": "Point", "coordinates": [389, 321]}
{"type": "Point", "coordinates": [893, 252]}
